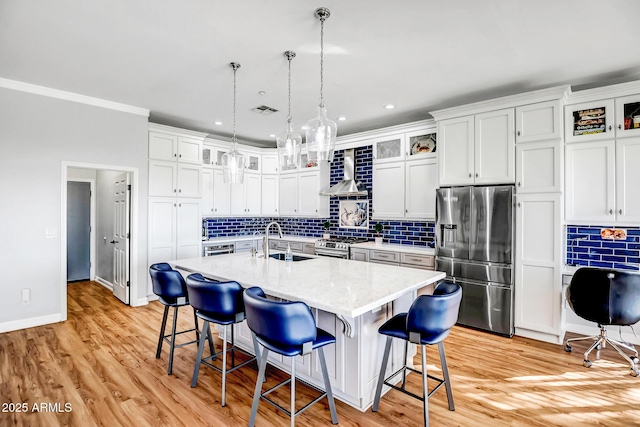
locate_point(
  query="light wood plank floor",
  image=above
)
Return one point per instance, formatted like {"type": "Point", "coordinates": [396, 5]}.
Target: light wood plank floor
{"type": "Point", "coordinates": [102, 362]}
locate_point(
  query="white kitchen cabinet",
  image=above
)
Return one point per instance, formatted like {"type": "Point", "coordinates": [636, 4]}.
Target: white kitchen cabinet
{"type": "Point", "coordinates": [388, 149]}
{"type": "Point", "coordinates": [627, 108]}
{"type": "Point", "coordinates": [420, 188]}
{"type": "Point", "coordinates": [358, 254]}
{"type": "Point", "coordinates": [253, 161]}
{"type": "Point", "coordinates": [477, 149]}
{"type": "Point", "coordinates": [388, 190]}
{"type": "Point", "coordinates": [538, 267]}
{"type": "Point", "coordinates": [538, 122]}
{"type": "Point", "coordinates": [456, 151]}
{"type": "Point", "coordinates": [590, 182]}
{"type": "Point", "coordinates": [167, 146]}
{"type": "Point", "coordinates": [270, 164]}
{"type": "Point", "coordinates": [174, 229]}
{"type": "Point", "coordinates": [300, 191]}
{"type": "Point", "coordinates": [269, 195]}
{"type": "Point", "coordinates": [289, 194]}
{"type": "Point", "coordinates": [206, 201]}
{"type": "Point", "coordinates": [539, 167]}
{"type": "Point", "coordinates": [221, 194]}
{"type": "Point", "coordinates": [420, 144]}
{"type": "Point", "coordinates": [171, 179]}
{"type": "Point", "coordinates": [589, 121]}
{"type": "Point", "coordinates": [628, 180]}
{"type": "Point", "coordinates": [252, 187]}
{"type": "Point", "coordinates": [494, 150]}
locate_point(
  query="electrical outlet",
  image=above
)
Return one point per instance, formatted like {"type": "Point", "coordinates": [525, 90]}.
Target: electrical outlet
{"type": "Point", "coordinates": [26, 296]}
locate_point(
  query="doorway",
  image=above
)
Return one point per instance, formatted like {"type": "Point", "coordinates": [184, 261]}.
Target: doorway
{"type": "Point", "coordinates": [79, 230]}
{"type": "Point", "coordinates": [119, 277]}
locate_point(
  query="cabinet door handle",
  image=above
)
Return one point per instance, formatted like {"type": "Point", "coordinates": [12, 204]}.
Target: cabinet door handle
{"type": "Point", "coordinates": [519, 184]}
{"type": "Point", "coordinates": [180, 190]}
{"type": "Point", "coordinates": [211, 209]}
{"type": "Point", "coordinates": [620, 211]}
{"type": "Point", "coordinates": [518, 204]}
{"type": "Point", "coordinates": [469, 175]}
{"type": "Point", "coordinates": [609, 127]}
{"type": "Point", "coordinates": [406, 211]}
{"type": "Point", "coordinates": [174, 205]}
{"type": "Point", "coordinates": [610, 211]}
{"type": "Point", "coordinates": [476, 174]}
{"type": "Point", "coordinates": [518, 133]}
{"type": "Point", "coordinates": [180, 155]}
{"type": "Point", "coordinates": [620, 127]}
{"type": "Point", "coordinates": [175, 190]}
{"type": "Point", "coordinates": [316, 210]}
{"type": "Point", "coordinates": [175, 155]}
{"type": "Point", "coordinates": [179, 205]}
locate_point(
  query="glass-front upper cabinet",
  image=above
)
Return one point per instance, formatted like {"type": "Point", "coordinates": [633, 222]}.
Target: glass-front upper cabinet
{"type": "Point", "coordinates": [388, 149]}
{"type": "Point", "coordinates": [628, 116]}
{"type": "Point", "coordinates": [305, 163]}
{"type": "Point", "coordinates": [421, 144]}
{"type": "Point", "coordinates": [589, 121]}
{"type": "Point", "coordinates": [253, 162]}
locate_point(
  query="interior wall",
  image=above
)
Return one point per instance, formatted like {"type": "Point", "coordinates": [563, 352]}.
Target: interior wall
{"type": "Point", "coordinates": [77, 173]}
{"type": "Point", "coordinates": [37, 134]}
{"type": "Point", "coordinates": [104, 224]}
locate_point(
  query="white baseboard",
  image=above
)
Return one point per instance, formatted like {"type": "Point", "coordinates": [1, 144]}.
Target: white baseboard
{"type": "Point", "coordinates": [612, 332]}
{"type": "Point", "coordinates": [104, 283]}
{"type": "Point", "coordinates": [152, 297]}
{"type": "Point", "coordinates": [30, 322]}
{"type": "Point", "coordinates": [540, 336]}
{"type": "Point", "coordinates": [139, 302]}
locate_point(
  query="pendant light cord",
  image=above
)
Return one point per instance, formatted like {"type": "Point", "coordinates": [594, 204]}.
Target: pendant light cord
{"type": "Point", "coordinates": [322, 18]}
{"type": "Point", "coordinates": [235, 68]}
{"type": "Point", "coordinates": [289, 58]}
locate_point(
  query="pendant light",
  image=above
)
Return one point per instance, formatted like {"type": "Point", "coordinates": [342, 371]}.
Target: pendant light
{"type": "Point", "coordinates": [233, 162]}
{"type": "Point", "coordinates": [289, 143]}
{"type": "Point", "coordinates": [320, 131]}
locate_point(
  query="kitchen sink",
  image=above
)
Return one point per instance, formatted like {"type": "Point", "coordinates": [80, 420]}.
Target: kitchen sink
{"type": "Point", "coordinates": [295, 257]}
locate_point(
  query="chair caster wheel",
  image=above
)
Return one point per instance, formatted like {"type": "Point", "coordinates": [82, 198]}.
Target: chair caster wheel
{"type": "Point", "coordinates": [635, 360]}
{"type": "Point", "coordinates": [634, 372]}
{"type": "Point", "coordinates": [567, 348]}
{"type": "Point", "coordinates": [587, 363]}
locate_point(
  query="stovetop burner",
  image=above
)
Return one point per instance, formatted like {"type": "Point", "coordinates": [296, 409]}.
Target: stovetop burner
{"type": "Point", "coordinates": [347, 240]}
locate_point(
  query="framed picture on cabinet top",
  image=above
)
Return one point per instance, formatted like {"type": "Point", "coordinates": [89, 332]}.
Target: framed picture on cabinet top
{"type": "Point", "coordinates": [354, 214]}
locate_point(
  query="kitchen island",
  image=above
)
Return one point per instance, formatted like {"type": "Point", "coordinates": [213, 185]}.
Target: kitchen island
{"type": "Point", "coordinates": [349, 299]}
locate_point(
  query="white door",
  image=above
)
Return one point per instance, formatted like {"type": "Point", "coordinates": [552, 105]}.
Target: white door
{"type": "Point", "coordinates": [455, 151]}
{"type": "Point", "coordinates": [628, 178]}
{"type": "Point", "coordinates": [495, 147]}
{"type": "Point", "coordinates": [289, 194]}
{"type": "Point", "coordinates": [221, 194]}
{"type": "Point", "coordinates": [188, 229]}
{"type": "Point", "coordinates": [308, 193]}
{"type": "Point", "coordinates": [421, 184]}
{"type": "Point", "coordinates": [237, 198]}
{"type": "Point", "coordinates": [122, 201]}
{"type": "Point", "coordinates": [269, 194]}
{"type": "Point", "coordinates": [537, 122]}
{"type": "Point", "coordinates": [206, 202]}
{"type": "Point", "coordinates": [388, 190]}
{"type": "Point", "coordinates": [252, 186]}
{"type": "Point", "coordinates": [539, 167]}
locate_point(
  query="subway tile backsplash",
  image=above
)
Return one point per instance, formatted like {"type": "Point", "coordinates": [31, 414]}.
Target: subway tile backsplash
{"type": "Point", "coordinates": [418, 233]}
{"type": "Point", "coordinates": [585, 247]}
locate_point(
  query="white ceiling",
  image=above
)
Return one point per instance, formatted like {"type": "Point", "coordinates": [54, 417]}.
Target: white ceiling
{"type": "Point", "coordinates": [172, 56]}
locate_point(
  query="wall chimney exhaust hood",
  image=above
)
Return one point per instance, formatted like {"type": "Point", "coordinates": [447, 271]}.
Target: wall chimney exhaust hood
{"type": "Point", "coordinates": [348, 186]}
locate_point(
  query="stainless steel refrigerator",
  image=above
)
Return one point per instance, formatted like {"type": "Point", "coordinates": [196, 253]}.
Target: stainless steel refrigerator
{"type": "Point", "coordinates": [475, 248]}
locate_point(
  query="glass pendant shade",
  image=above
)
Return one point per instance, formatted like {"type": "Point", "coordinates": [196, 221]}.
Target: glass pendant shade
{"type": "Point", "coordinates": [321, 137]}
{"type": "Point", "coordinates": [233, 164]}
{"type": "Point", "coordinates": [289, 148]}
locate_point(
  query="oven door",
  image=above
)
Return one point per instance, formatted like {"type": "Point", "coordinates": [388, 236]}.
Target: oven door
{"type": "Point", "coordinates": [332, 253]}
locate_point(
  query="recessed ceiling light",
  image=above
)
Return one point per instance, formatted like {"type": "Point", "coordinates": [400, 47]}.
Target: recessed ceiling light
{"type": "Point", "coordinates": [389, 106]}
{"type": "Point", "coordinates": [262, 92]}
{"type": "Point", "coordinates": [305, 127]}
{"type": "Point", "coordinates": [342, 118]}
{"type": "Point", "coordinates": [218, 123]}
{"type": "Point", "coordinates": [272, 135]}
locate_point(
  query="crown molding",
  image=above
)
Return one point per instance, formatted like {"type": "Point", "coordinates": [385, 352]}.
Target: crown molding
{"type": "Point", "coordinates": [359, 139]}
{"type": "Point", "coordinates": [549, 94]}
{"type": "Point", "coordinates": [603, 92]}
{"type": "Point", "coordinates": [178, 131]}
{"type": "Point", "coordinates": [70, 96]}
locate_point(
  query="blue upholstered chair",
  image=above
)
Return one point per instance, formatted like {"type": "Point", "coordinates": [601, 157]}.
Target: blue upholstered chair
{"type": "Point", "coordinates": [220, 303]}
{"type": "Point", "coordinates": [608, 298]}
{"type": "Point", "coordinates": [428, 322]}
{"type": "Point", "coordinates": [289, 329]}
{"type": "Point", "coordinates": [171, 289]}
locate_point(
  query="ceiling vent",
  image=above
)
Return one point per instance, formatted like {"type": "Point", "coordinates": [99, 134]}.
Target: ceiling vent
{"type": "Point", "coordinates": [264, 109]}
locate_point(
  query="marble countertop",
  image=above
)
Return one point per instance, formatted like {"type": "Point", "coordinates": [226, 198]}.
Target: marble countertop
{"type": "Point", "coordinates": [245, 237]}
{"type": "Point", "coordinates": [420, 250]}
{"type": "Point", "coordinates": [339, 286]}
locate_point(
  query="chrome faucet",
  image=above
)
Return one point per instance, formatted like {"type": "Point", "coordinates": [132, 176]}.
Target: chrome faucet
{"type": "Point", "coordinates": [265, 239]}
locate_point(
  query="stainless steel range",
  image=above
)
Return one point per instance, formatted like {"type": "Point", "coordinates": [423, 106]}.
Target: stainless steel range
{"type": "Point", "coordinates": [337, 247]}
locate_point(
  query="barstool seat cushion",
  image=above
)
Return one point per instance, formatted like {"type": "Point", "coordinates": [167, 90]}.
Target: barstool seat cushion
{"type": "Point", "coordinates": [322, 338]}
{"type": "Point", "coordinates": [397, 327]}
{"type": "Point", "coordinates": [173, 301]}
{"type": "Point", "coordinates": [220, 318]}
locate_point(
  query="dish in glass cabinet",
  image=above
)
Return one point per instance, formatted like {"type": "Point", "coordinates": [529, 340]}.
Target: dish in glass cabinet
{"type": "Point", "coordinates": [424, 145]}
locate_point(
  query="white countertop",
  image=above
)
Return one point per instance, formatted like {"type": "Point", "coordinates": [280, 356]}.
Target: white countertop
{"type": "Point", "coordinates": [421, 250]}
{"type": "Point", "coordinates": [240, 238]}
{"type": "Point", "coordinates": [339, 286]}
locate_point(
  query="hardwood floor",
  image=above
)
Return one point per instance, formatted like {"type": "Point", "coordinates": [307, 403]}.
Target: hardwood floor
{"type": "Point", "coordinates": [102, 362]}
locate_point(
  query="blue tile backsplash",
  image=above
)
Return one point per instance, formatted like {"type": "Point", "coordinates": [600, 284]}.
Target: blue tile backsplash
{"type": "Point", "coordinates": [585, 247]}
{"type": "Point", "coordinates": [418, 233]}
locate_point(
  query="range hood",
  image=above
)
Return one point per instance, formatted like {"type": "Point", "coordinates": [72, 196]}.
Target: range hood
{"type": "Point", "coordinates": [348, 186]}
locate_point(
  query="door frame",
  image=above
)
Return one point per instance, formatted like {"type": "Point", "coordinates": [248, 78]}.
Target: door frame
{"type": "Point", "coordinates": [135, 232]}
{"type": "Point", "coordinates": [92, 223]}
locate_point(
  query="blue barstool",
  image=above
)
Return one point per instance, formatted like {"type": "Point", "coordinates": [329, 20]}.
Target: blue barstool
{"type": "Point", "coordinates": [220, 303]}
{"type": "Point", "coordinates": [289, 329]}
{"type": "Point", "coordinates": [171, 289]}
{"type": "Point", "coordinates": [428, 322]}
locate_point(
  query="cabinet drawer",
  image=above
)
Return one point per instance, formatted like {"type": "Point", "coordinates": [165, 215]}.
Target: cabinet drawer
{"type": "Point", "coordinates": [418, 260]}
{"type": "Point", "coordinates": [384, 256]}
{"type": "Point", "coordinates": [295, 246]}
{"type": "Point", "coordinates": [245, 245]}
